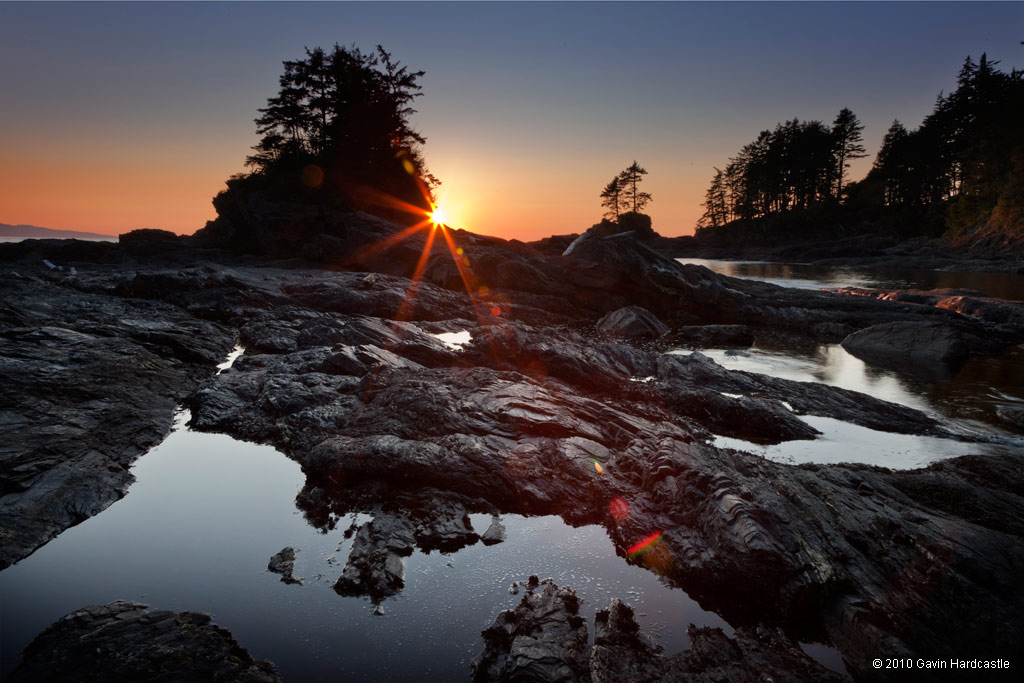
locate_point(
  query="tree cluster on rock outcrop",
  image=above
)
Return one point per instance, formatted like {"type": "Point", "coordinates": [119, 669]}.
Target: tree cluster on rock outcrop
{"type": "Point", "coordinates": [336, 137]}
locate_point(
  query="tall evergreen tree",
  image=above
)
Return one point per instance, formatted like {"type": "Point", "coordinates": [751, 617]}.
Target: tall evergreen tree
{"type": "Point", "coordinates": [848, 140]}
{"type": "Point", "coordinates": [716, 210]}
{"type": "Point", "coordinates": [612, 196]}
{"type": "Point", "coordinates": [891, 163]}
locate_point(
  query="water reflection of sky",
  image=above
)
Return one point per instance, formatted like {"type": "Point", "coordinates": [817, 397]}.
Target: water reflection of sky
{"type": "Point", "coordinates": [828, 364]}
{"type": "Point", "coordinates": [968, 399]}
{"type": "Point", "coordinates": [197, 529]}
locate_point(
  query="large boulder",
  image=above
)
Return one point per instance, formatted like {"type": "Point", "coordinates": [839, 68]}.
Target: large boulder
{"type": "Point", "coordinates": [632, 322]}
{"type": "Point", "coordinates": [906, 345]}
{"type": "Point", "coordinates": [639, 224]}
{"type": "Point", "coordinates": [124, 641]}
{"type": "Point", "coordinates": [619, 270]}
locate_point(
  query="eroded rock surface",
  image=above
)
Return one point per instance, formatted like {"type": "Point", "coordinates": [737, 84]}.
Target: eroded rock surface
{"type": "Point", "coordinates": [91, 381]}
{"type": "Point", "coordinates": [543, 638]}
{"type": "Point", "coordinates": [125, 641]}
{"type": "Point", "coordinates": [536, 416]}
{"type": "Point", "coordinates": [376, 563]}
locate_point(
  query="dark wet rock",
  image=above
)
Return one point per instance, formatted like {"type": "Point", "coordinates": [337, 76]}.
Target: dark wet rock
{"type": "Point", "coordinates": [615, 271]}
{"type": "Point", "coordinates": [561, 354]}
{"type": "Point", "coordinates": [125, 641]}
{"type": "Point", "coordinates": [752, 654]}
{"type": "Point", "coordinates": [1012, 416]}
{"type": "Point", "coordinates": [543, 639]}
{"type": "Point", "coordinates": [677, 374]}
{"type": "Point", "coordinates": [495, 533]}
{"type": "Point", "coordinates": [283, 563]}
{"type": "Point", "coordinates": [759, 420]}
{"type": "Point", "coordinates": [712, 336]}
{"type": "Point", "coordinates": [358, 360]}
{"type": "Point", "coordinates": [899, 344]}
{"type": "Point", "coordinates": [964, 301]}
{"type": "Point", "coordinates": [622, 652]}
{"type": "Point", "coordinates": [376, 564]}
{"type": "Point", "coordinates": [91, 382]}
{"type": "Point", "coordinates": [632, 322]}
{"type": "Point", "coordinates": [516, 422]}
{"type": "Point", "coordinates": [535, 416]}
{"type": "Point", "coordinates": [445, 526]}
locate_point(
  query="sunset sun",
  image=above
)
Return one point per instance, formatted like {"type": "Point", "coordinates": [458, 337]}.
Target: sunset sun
{"type": "Point", "coordinates": [437, 216]}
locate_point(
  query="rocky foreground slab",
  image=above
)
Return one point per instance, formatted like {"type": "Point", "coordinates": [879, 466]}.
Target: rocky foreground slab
{"type": "Point", "coordinates": [537, 414]}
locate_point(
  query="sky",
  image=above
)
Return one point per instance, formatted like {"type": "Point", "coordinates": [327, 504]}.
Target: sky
{"type": "Point", "coordinates": [117, 116]}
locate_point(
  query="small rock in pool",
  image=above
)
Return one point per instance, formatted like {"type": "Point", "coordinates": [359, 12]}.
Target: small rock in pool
{"type": "Point", "coordinates": [283, 563]}
{"type": "Point", "coordinates": [495, 532]}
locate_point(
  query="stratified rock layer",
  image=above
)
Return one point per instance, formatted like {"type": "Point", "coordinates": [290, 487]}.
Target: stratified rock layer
{"type": "Point", "coordinates": [90, 382]}
{"type": "Point", "coordinates": [343, 373]}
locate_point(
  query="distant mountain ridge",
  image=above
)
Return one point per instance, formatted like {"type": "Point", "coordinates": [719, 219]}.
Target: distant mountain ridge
{"type": "Point", "coordinates": [35, 231]}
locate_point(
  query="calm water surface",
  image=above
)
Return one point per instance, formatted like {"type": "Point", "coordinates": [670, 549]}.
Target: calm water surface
{"type": "Point", "coordinates": [969, 400]}
{"type": "Point", "coordinates": [196, 531]}
{"type": "Point", "coordinates": [806, 276]}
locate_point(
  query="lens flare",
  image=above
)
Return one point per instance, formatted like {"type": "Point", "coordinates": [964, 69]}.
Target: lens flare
{"type": "Point", "coordinates": [643, 545]}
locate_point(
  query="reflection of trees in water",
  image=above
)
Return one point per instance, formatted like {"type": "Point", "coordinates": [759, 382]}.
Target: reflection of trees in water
{"type": "Point", "coordinates": [999, 285]}
{"type": "Point", "coordinates": [972, 392]}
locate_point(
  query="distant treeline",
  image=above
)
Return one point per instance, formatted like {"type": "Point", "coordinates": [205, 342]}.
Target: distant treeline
{"type": "Point", "coordinates": [961, 170]}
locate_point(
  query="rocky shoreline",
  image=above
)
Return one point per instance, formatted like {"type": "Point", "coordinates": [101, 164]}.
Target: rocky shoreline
{"type": "Point", "coordinates": [540, 412]}
{"type": "Point", "coordinates": [859, 252]}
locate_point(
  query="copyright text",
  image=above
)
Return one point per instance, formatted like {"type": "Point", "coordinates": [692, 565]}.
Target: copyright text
{"type": "Point", "coordinates": [950, 664]}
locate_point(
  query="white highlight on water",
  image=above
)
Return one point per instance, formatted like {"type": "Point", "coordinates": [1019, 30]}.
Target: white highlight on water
{"type": "Point", "coordinates": [454, 340]}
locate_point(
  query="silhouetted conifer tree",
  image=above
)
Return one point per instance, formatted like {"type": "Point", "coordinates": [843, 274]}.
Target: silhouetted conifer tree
{"type": "Point", "coordinates": [848, 140]}
{"type": "Point", "coordinates": [347, 113]}
{"type": "Point", "coordinates": [612, 196]}
{"type": "Point", "coordinates": [629, 180]}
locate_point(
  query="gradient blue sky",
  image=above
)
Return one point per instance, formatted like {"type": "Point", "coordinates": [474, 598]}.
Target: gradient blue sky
{"type": "Point", "coordinates": [116, 116]}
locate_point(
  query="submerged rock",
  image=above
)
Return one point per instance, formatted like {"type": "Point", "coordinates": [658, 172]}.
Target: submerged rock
{"type": "Point", "coordinates": [283, 563]}
{"type": "Point", "coordinates": [125, 641]}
